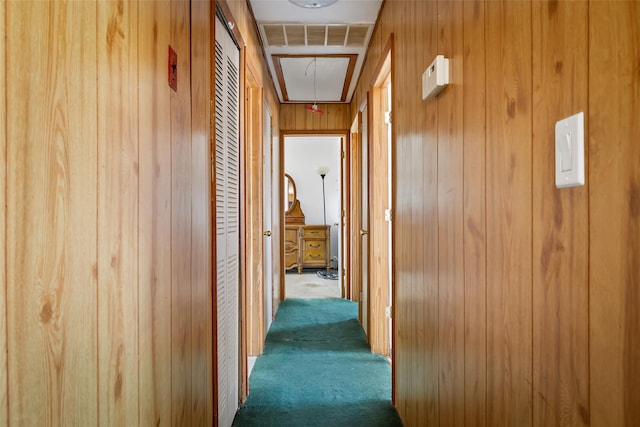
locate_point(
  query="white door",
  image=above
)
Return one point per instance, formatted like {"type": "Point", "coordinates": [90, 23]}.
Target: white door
{"type": "Point", "coordinates": [267, 170]}
{"type": "Point", "coordinates": [227, 187]}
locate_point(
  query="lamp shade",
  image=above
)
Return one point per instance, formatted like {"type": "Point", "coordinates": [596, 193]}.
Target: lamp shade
{"type": "Point", "coordinates": [322, 170]}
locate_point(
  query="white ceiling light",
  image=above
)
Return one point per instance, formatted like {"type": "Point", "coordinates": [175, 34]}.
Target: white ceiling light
{"type": "Point", "coordinates": [313, 4]}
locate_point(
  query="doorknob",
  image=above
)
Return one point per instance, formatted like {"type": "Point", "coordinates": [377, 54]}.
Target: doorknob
{"type": "Point", "coordinates": [267, 233]}
{"type": "Point", "coordinates": [363, 232]}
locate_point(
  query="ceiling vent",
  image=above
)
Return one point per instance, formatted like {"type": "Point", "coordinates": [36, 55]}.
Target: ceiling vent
{"type": "Point", "coordinates": [354, 35]}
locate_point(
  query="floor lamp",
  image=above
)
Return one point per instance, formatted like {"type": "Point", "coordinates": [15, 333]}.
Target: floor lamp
{"type": "Point", "coordinates": [323, 171]}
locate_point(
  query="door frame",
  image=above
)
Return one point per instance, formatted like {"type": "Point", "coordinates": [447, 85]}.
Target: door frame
{"type": "Point", "coordinates": [253, 199]}
{"type": "Point", "coordinates": [384, 68]}
{"type": "Point", "coordinates": [221, 10]}
{"type": "Point", "coordinates": [354, 209]}
{"type": "Point", "coordinates": [338, 133]}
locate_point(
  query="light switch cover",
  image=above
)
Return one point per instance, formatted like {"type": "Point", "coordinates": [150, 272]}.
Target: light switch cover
{"type": "Point", "coordinates": [570, 151]}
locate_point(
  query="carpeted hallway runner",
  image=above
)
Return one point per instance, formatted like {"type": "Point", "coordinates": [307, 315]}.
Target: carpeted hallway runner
{"type": "Point", "coordinates": [317, 370]}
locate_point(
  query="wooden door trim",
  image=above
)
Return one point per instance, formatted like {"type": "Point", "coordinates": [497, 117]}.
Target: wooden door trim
{"type": "Point", "coordinates": [339, 133]}
{"type": "Point", "coordinates": [254, 219]}
{"type": "Point", "coordinates": [383, 68]}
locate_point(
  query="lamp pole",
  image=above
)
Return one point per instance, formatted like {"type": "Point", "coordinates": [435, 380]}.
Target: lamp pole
{"type": "Point", "coordinates": [323, 171]}
{"type": "Point", "coordinates": [324, 206]}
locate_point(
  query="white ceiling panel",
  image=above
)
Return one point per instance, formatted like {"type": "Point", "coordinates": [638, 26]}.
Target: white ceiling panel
{"type": "Point", "coordinates": [342, 29]}
{"type": "Point", "coordinates": [330, 74]}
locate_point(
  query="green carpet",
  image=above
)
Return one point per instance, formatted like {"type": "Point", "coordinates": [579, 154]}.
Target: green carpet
{"type": "Point", "coordinates": [317, 370]}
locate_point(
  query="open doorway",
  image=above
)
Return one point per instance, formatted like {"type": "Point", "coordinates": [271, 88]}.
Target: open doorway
{"type": "Point", "coordinates": [312, 205]}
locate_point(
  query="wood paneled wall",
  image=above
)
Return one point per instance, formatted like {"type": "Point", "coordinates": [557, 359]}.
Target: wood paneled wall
{"type": "Point", "coordinates": [106, 259]}
{"type": "Point", "coordinates": [3, 218]}
{"type": "Point", "coordinates": [297, 117]}
{"type": "Point", "coordinates": [516, 303]}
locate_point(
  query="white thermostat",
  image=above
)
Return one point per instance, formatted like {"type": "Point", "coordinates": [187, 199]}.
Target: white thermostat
{"type": "Point", "coordinates": [436, 77]}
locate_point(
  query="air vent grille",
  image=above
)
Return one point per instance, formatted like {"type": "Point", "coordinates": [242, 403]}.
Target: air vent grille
{"type": "Point", "coordinates": [355, 35]}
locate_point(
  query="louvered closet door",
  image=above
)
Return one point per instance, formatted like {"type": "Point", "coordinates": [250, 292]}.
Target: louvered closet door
{"type": "Point", "coordinates": [227, 167]}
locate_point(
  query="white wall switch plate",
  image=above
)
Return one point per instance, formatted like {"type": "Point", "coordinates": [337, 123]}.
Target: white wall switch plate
{"type": "Point", "coordinates": [436, 77]}
{"type": "Point", "coordinates": [570, 151]}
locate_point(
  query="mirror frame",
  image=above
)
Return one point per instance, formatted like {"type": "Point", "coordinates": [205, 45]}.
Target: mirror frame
{"type": "Point", "coordinates": [286, 193]}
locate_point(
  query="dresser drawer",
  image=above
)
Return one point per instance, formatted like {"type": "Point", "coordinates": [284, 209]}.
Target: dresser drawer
{"type": "Point", "coordinates": [314, 250]}
{"type": "Point", "coordinates": [291, 247]}
{"type": "Point", "coordinates": [311, 232]}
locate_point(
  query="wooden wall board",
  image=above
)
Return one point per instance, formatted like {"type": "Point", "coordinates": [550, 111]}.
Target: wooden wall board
{"type": "Point", "coordinates": [51, 196]}
{"type": "Point", "coordinates": [450, 220]}
{"type": "Point", "coordinates": [154, 255]}
{"type": "Point", "coordinates": [181, 225]}
{"type": "Point", "coordinates": [521, 324]}
{"type": "Point", "coordinates": [297, 117]}
{"type": "Point", "coordinates": [475, 228]}
{"type": "Point", "coordinates": [424, 218]}
{"type": "Point", "coordinates": [404, 243]}
{"type": "Point", "coordinates": [201, 268]}
{"type": "Point", "coordinates": [4, 402]}
{"type": "Point", "coordinates": [509, 214]}
{"type": "Point", "coordinates": [614, 213]}
{"type": "Point", "coordinates": [560, 276]}
{"type": "Point", "coordinates": [118, 164]}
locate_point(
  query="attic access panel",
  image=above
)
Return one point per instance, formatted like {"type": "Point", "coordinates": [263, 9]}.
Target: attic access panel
{"type": "Point", "coordinates": [333, 74]}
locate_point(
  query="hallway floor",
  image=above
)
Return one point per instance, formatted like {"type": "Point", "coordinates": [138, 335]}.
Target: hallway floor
{"type": "Point", "coordinates": [317, 370]}
{"type": "Point", "coordinates": [309, 285]}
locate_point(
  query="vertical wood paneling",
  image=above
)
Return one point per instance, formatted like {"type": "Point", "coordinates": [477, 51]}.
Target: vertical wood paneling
{"type": "Point", "coordinates": [528, 358]}
{"type": "Point", "coordinates": [91, 252]}
{"type": "Point", "coordinates": [475, 232]}
{"type": "Point", "coordinates": [297, 117]}
{"type": "Point", "coordinates": [287, 116]}
{"type": "Point", "coordinates": [404, 243]}
{"type": "Point", "coordinates": [117, 213]}
{"type": "Point", "coordinates": [51, 193]}
{"type": "Point", "coordinates": [509, 213]}
{"type": "Point", "coordinates": [201, 295]}
{"type": "Point", "coordinates": [182, 193]}
{"type": "Point", "coordinates": [154, 255]}
{"type": "Point", "coordinates": [614, 208]}
{"type": "Point", "coordinates": [560, 276]}
{"type": "Point", "coordinates": [4, 410]}
{"type": "Point", "coordinates": [450, 221]}
{"type": "Point", "coordinates": [425, 218]}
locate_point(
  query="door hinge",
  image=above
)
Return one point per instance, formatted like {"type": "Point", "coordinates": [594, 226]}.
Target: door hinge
{"type": "Point", "coordinates": [388, 312]}
{"type": "Point", "coordinates": [387, 117]}
{"type": "Point", "coordinates": [343, 155]}
{"type": "Point", "coordinates": [388, 215]}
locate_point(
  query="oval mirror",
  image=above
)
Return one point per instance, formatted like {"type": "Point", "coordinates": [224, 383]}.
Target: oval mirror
{"type": "Point", "coordinates": [289, 193]}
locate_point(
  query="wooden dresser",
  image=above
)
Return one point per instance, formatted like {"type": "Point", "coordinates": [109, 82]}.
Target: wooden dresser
{"type": "Point", "coordinates": [304, 245]}
{"type": "Point", "coordinates": [307, 246]}
{"type": "Point", "coordinates": [314, 246]}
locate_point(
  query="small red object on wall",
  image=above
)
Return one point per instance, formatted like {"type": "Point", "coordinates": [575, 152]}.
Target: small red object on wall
{"type": "Point", "coordinates": [173, 69]}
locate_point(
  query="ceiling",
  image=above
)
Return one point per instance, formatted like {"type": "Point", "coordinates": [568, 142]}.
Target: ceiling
{"type": "Point", "coordinates": [315, 55]}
